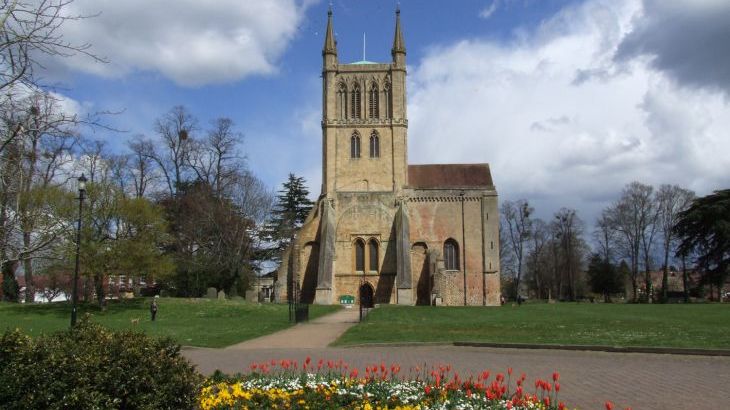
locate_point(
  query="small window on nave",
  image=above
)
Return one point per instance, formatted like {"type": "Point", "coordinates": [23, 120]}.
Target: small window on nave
{"type": "Point", "coordinates": [359, 255]}
{"type": "Point", "coordinates": [373, 255]}
{"type": "Point", "coordinates": [451, 255]}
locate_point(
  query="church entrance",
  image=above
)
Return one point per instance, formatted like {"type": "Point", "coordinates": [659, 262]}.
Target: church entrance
{"type": "Point", "coordinates": [366, 295]}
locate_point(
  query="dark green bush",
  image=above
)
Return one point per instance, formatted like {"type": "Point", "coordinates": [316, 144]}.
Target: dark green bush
{"type": "Point", "coordinates": [91, 367]}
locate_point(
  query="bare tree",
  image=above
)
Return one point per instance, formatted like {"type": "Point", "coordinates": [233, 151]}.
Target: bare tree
{"type": "Point", "coordinates": [175, 131]}
{"type": "Point", "coordinates": [605, 235]}
{"type": "Point", "coordinates": [569, 228]}
{"type": "Point", "coordinates": [31, 185]}
{"type": "Point", "coordinates": [29, 30]}
{"type": "Point", "coordinates": [516, 216]}
{"type": "Point", "coordinates": [537, 258]}
{"type": "Point", "coordinates": [142, 164]}
{"type": "Point", "coordinates": [670, 200]}
{"type": "Point", "coordinates": [217, 161]}
{"type": "Point", "coordinates": [632, 216]}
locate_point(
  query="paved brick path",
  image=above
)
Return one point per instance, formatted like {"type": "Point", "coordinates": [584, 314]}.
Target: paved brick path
{"type": "Point", "coordinates": [642, 381]}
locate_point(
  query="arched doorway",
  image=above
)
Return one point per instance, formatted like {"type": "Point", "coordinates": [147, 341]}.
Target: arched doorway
{"type": "Point", "coordinates": [366, 295]}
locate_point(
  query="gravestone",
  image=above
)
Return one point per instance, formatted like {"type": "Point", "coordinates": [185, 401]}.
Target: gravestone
{"type": "Point", "coordinates": [212, 293]}
{"type": "Point", "coordinates": [221, 295]}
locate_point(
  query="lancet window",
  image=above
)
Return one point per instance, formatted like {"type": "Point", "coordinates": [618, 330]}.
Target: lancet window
{"type": "Point", "coordinates": [451, 255]}
{"type": "Point", "coordinates": [356, 100]}
{"type": "Point", "coordinates": [342, 101]}
{"type": "Point", "coordinates": [355, 145]}
{"type": "Point", "coordinates": [374, 145]}
{"type": "Point", "coordinates": [373, 101]}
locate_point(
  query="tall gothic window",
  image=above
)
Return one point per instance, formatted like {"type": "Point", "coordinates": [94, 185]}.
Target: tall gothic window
{"type": "Point", "coordinates": [373, 102]}
{"type": "Point", "coordinates": [373, 255]}
{"type": "Point", "coordinates": [388, 111]}
{"type": "Point", "coordinates": [355, 145]}
{"type": "Point", "coordinates": [451, 255]}
{"type": "Point", "coordinates": [356, 99]}
{"type": "Point", "coordinates": [359, 255]}
{"type": "Point", "coordinates": [342, 101]}
{"type": "Point", "coordinates": [374, 145]}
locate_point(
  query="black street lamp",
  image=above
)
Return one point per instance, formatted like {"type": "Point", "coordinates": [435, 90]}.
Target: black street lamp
{"type": "Point", "coordinates": [74, 290]}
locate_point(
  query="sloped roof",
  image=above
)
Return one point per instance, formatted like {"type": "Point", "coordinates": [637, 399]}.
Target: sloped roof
{"type": "Point", "coordinates": [448, 176]}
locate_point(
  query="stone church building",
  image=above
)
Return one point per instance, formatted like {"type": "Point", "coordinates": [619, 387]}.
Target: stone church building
{"type": "Point", "coordinates": [384, 231]}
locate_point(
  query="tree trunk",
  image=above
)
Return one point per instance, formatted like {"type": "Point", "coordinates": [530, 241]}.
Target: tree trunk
{"type": "Point", "coordinates": [665, 276]}
{"type": "Point", "coordinates": [685, 280]}
{"type": "Point", "coordinates": [99, 287]}
{"type": "Point", "coordinates": [647, 279]}
{"type": "Point", "coordinates": [28, 268]}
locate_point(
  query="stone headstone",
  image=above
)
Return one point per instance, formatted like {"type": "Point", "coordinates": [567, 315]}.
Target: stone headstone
{"type": "Point", "coordinates": [252, 296]}
{"type": "Point", "coordinates": [212, 293]}
{"type": "Point", "coordinates": [221, 295]}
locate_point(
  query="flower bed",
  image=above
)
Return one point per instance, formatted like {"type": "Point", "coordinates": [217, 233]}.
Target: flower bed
{"type": "Point", "coordinates": [335, 385]}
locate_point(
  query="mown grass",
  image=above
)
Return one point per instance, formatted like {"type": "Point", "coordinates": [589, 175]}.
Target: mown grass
{"type": "Point", "coordinates": [191, 322]}
{"type": "Point", "coordinates": [677, 325]}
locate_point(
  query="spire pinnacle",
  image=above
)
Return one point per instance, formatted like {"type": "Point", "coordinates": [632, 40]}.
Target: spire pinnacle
{"type": "Point", "coordinates": [399, 46]}
{"type": "Point", "coordinates": [330, 45]}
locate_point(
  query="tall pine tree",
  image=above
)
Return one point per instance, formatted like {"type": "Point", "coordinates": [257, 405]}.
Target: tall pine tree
{"type": "Point", "coordinates": [291, 209]}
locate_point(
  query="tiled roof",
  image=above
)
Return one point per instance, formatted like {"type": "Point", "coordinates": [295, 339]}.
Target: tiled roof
{"type": "Point", "coordinates": [449, 176]}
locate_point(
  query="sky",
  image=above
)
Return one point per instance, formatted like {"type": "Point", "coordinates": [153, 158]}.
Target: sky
{"type": "Point", "coordinates": [568, 101]}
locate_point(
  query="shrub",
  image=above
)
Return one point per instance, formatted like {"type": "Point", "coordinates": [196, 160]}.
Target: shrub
{"type": "Point", "coordinates": [90, 367]}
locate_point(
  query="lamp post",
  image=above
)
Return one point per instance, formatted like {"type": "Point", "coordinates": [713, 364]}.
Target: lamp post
{"type": "Point", "coordinates": [74, 290]}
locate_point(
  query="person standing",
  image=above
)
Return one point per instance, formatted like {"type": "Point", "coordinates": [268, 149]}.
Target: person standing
{"type": "Point", "coordinates": [153, 309]}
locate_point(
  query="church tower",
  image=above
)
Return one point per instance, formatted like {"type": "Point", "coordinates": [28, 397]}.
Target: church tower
{"type": "Point", "coordinates": [364, 121]}
{"type": "Point", "coordinates": [383, 230]}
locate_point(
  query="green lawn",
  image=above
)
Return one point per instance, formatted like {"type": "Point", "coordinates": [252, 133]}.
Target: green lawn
{"type": "Point", "coordinates": [192, 322]}
{"type": "Point", "coordinates": [677, 325]}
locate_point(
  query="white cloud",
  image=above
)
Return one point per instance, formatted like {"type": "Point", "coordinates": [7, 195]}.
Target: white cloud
{"type": "Point", "coordinates": [489, 10]}
{"type": "Point", "coordinates": [192, 42]}
{"type": "Point", "coordinates": [560, 121]}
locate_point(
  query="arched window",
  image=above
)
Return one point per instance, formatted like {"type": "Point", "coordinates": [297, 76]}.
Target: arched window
{"type": "Point", "coordinates": [342, 101]}
{"type": "Point", "coordinates": [451, 255]}
{"type": "Point", "coordinates": [373, 255]}
{"type": "Point", "coordinates": [373, 102]}
{"type": "Point", "coordinates": [355, 145]}
{"type": "Point", "coordinates": [359, 255]}
{"type": "Point", "coordinates": [388, 112]}
{"type": "Point", "coordinates": [356, 102]}
{"type": "Point", "coordinates": [374, 145]}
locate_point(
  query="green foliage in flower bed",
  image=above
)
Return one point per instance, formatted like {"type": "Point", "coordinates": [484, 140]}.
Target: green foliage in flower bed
{"type": "Point", "coordinates": [91, 367]}
{"type": "Point", "coordinates": [675, 325]}
{"type": "Point", "coordinates": [285, 384]}
{"type": "Point", "coordinates": [191, 322]}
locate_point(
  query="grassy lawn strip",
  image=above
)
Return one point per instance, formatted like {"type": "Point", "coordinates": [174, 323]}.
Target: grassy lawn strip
{"type": "Point", "coordinates": [702, 326]}
{"type": "Point", "coordinates": [191, 322]}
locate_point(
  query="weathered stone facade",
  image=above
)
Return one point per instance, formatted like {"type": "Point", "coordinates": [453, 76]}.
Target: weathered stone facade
{"type": "Point", "coordinates": [384, 231]}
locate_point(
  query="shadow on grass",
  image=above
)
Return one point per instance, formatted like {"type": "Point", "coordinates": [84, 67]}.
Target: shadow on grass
{"type": "Point", "coordinates": [63, 309]}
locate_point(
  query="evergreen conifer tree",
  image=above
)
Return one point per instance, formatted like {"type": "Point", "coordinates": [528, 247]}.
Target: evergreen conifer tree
{"type": "Point", "coordinates": [291, 209]}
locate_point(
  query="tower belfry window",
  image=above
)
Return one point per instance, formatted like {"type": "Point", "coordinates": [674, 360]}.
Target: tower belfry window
{"type": "Point", "coordinates": [356, 99]}
{"type": "Point", "coordinates": [387, 111]}
{"type": "Point", "coordinates": [373, 101]}
{"type": "Point", "coordinates": [342, 102]}
{"type": "Point", "coordinates": [355, 145]}
{"type": "Point", "coordinates": [374, 145]}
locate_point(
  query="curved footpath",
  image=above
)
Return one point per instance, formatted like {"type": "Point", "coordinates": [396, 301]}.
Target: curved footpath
{"type": "Point", "coordinates": [588, 378]}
